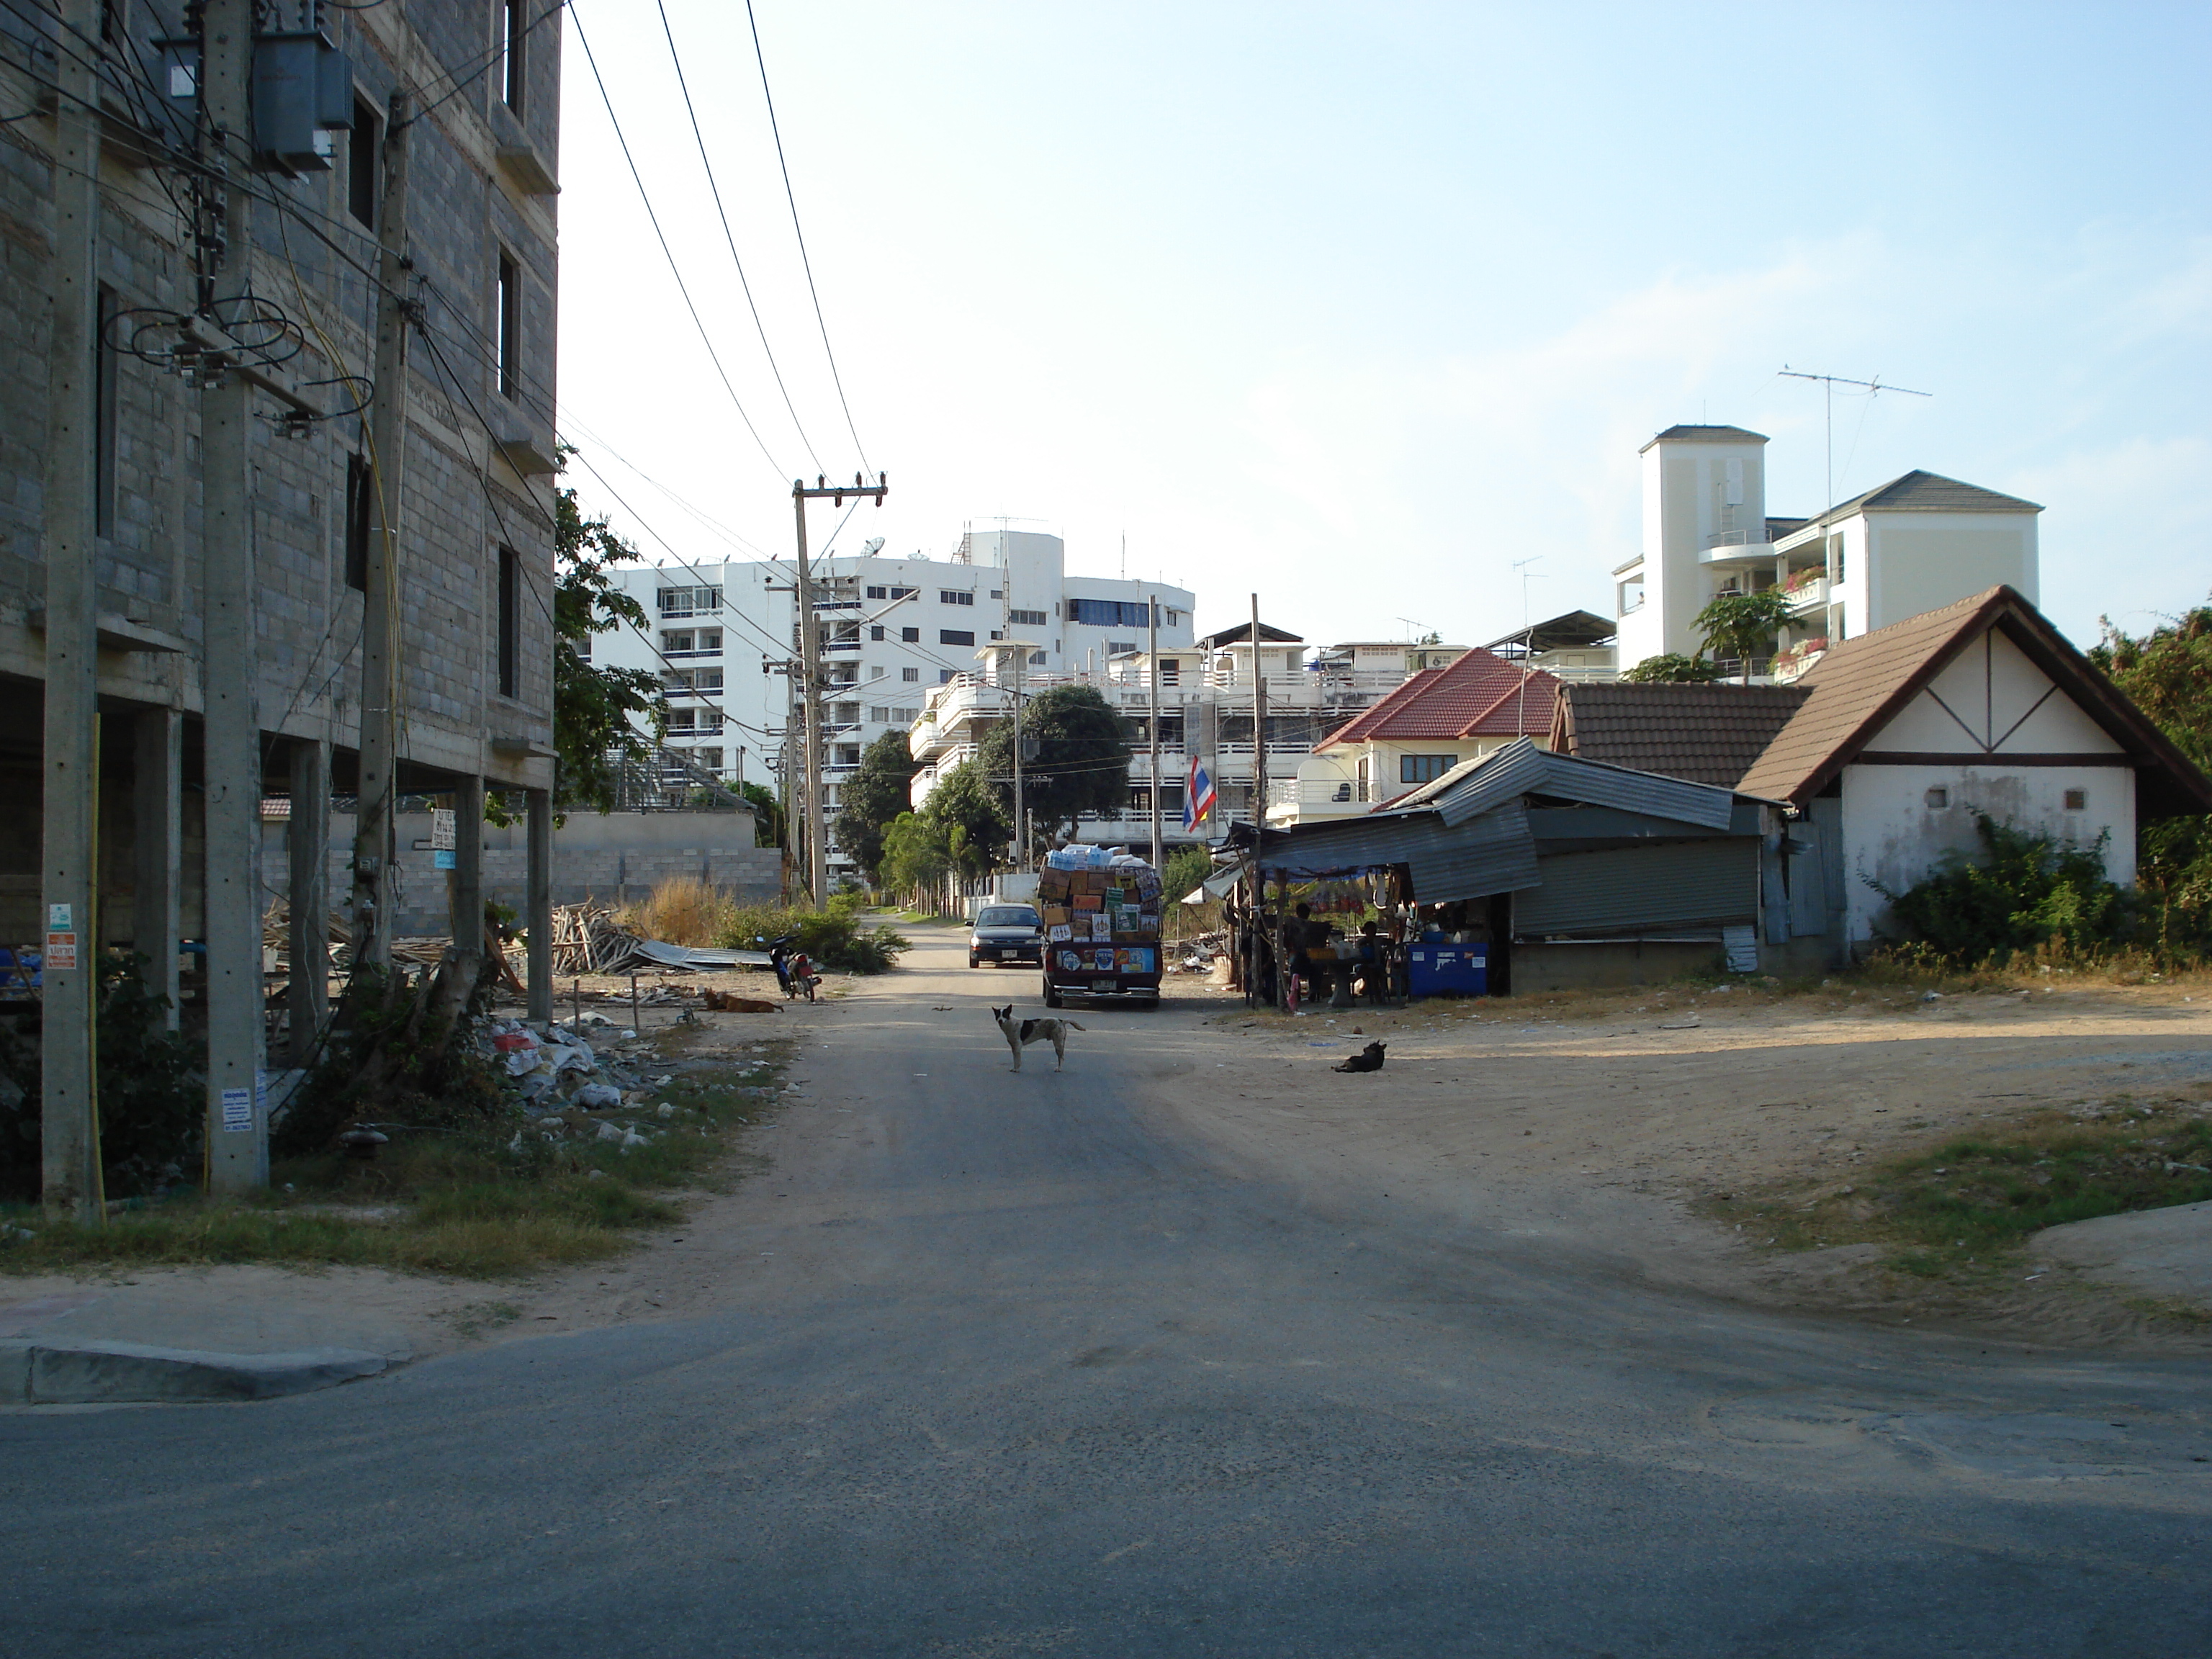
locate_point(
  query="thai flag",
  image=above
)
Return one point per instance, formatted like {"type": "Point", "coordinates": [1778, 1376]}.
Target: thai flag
{"type": "Point", "coordinates": [1197, 795]}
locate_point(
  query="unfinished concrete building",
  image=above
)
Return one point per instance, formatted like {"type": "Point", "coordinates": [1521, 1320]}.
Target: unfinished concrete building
{"type": "Point", "coordinates": [277, 399]}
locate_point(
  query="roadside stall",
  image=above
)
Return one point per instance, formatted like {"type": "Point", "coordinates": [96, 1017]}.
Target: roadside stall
{"type": "Point", "coordinates": [1102, 927]}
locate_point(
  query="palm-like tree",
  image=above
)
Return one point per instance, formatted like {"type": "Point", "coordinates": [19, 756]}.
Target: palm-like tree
{"type": "Point", "coordinates": [1739, 625]}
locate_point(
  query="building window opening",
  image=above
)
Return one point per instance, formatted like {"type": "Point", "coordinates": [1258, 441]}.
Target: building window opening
{"type": "Point", "coordinates": [2077, 800]}
{"type": "Point", "coordinates": [510, 621]}
{"type": "Point", "coordinates": [361, 148]}
{"type": "Point", "coordinates": [507, 344]}
{"type": "Point", "coordinates": [511, 26]}
{"type": "Point", "coordinates": [360, 521]}
{"type": "Point", "coordinates": [1938, 799]}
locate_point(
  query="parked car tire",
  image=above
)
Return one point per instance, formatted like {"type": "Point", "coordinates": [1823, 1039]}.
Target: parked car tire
{"type": "Point", "coordinates": [972, 962]}
{"type": "Point", "coordinates": [1051, 997]}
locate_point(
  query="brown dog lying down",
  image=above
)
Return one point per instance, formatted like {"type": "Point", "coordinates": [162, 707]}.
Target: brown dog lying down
{"type": "Point", "coordinates": [729, 1002]}
{"type": "Point", "coordinates": [1369, 1059]}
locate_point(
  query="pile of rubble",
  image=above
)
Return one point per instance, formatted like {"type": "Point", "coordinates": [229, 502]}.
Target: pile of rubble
{"type": "Point", "coordinates": [577, 1084]}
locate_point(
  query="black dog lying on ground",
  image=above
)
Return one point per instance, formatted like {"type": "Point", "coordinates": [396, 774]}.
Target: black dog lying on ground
{"type": "Point", "coordinates": [1369, 1059]}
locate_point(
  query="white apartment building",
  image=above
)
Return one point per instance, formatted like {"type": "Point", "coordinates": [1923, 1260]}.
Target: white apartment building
{"type": "Point", "coordinates": [1206, 710]}
{"type": "Point", "coordinates": [892, 629]}
{"type": "Point", "coordinates": [1909, 546]}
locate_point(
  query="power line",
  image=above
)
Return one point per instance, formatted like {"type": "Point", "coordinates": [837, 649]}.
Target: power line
{"type": "Point", "coordinates": [805, 263]}
{"type": "Point", "coordinates": [668, 253]}
{"type": "Point", "coordinates": [715, 189]}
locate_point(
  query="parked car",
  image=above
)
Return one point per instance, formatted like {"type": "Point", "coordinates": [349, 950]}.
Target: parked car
{"type": "Point", "coordinates": [1006, 932]}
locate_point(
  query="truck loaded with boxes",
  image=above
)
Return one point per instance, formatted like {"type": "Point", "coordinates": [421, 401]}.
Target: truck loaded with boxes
{"type": "Point", "coordinates": [1102, 927]}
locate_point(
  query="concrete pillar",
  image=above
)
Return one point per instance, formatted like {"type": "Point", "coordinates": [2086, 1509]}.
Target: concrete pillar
{"type": "Point", "coordinates": [307, 843]}
{"type": "Point", "coordinates": [238, 1134]}
{"type": "Point", "coordinates": [68, 877]}
{"type": "Point", "coordinates": [156, 809]}
{"type": "Point", "coordinates": [464, 903]}
{"type": "Point", "coordinates": [538, 914]}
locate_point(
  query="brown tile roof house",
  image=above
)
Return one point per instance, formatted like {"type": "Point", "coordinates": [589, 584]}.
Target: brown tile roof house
{"type": "Point", "coordinates": [1863, 685]}
{"type": "Point", "coordinates": [1700, 733]}
{"type": "Point", "coordinates": [1477, 695]}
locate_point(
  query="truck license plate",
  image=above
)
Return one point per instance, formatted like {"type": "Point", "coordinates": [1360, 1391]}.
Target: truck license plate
{"type": "Point", "coordinates": [1104, 985]}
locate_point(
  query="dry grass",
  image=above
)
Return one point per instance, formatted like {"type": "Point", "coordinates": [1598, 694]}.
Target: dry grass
{"type": "Point", "coordinates": [682, 911]}
{"type": "Point", "coordinates": [1970, 1197]}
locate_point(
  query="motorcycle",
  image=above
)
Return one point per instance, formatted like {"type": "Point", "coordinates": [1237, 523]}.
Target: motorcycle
{"type": "Point", "coordinates": [794, 970]}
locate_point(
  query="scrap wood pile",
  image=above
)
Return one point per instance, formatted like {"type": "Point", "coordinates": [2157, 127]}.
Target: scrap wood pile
{"type": "Point", "coordinates": [418, 951]}
{"type": "Point", "coordinates": [588, 939]}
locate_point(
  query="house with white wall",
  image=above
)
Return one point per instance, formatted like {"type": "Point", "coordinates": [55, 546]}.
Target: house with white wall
{"type": "Point", "coordinates": [1907, 734]}
{"type": "Point", "coordinates": [1912, 544]}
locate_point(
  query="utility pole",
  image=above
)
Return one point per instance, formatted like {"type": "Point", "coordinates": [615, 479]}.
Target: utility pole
{"type": "Point", "coordinates": [237, 1134]}
{"type": "Point", "coordinates": [1153, 722]}
{"type": "Point", "coordinates": [809, 653]}
{"type": "Point", "coordinates": [1021, 817]}
{"type": "Point", "coordinates": [1259, 732]}
{"type": "Point", "coordinates": [380, 649]}
{"type": "Point", "coordinates": [68, 1104]}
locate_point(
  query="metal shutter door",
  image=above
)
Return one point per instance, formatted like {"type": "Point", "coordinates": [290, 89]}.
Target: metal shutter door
{"type": "Point", "coordinates": [1681, 883]}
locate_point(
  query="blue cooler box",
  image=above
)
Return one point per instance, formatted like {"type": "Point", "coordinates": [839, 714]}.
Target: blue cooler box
{"type": "Point", "coordinates": [1446, 969]}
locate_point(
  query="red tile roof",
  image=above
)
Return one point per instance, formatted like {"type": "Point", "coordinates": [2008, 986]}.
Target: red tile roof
{"type": "Point", "coordinates": [1478, 694]}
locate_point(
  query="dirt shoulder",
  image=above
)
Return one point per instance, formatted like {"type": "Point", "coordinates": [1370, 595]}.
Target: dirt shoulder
{"type": "Point", "coordinates": [686, 1266]}
{"type": "Point", "coordinates": [1626, 1125]}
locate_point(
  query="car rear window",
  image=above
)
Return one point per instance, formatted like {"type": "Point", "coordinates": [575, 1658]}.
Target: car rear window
{"type": "Point", "coordinates": [1007, 915]}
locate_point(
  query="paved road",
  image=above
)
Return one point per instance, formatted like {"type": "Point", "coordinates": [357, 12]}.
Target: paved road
{"type": "Point", "coordinates": [1017, 1366]}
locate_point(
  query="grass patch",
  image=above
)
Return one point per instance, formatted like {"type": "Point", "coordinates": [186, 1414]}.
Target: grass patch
{"type": "Point", "coordinates": [484, 1202]}
{"type": "Point", "coordinates": [1974, 1196]}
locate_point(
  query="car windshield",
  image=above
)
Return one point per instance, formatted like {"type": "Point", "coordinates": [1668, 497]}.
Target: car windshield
{"type": "Point", "coordinates": [1007, 915]}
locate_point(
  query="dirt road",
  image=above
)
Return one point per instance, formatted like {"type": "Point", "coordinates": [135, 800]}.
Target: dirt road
{"type": "Point", "coordinates": [1085, 1364]}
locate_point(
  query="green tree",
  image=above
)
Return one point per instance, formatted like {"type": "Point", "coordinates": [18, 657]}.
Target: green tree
{"type": "Point", "coordinates": [2168, 673]}
{"type": "Point", "coordinates": [1675, 668]}
{"type": "Point", "coordinates": [1187, 866]}
{"type": "Point", "coordinates": [916, 853]}
{"type": "Point", "coordinates": [967, 809]}
{"type": "Point", "coordinates": [594, 708]}
{"type": "Point", "coordinates": [873, 797]}
{"type": "Point", "coordinates": [767, 814]}
{"type": "Point", "coordinates": [1743, 625]}
{"type": "Point", "coordinates": [1077, 759]}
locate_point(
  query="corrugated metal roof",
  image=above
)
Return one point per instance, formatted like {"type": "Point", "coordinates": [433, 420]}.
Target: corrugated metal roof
{"type": "Point", "coordinates": [1700, 733]}
{"type": "Point", "coordinates": [1492, 854]}
{"type": "Point", "coordinates": [1521, 768]}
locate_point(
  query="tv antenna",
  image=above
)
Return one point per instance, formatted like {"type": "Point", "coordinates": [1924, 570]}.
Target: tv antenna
{"type": "Point", "coordinates": [1412, 629]}
{"type": "Point", "coordinates": [1520, 704]}
{"type": "Point", "coordinates": [1875, 388]}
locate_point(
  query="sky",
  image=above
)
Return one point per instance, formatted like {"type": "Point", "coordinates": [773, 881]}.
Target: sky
{"type": "Point", "coordinates": [1359, 308]}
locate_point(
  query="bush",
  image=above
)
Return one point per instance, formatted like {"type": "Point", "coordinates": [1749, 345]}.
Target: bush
{"type": "Point", "coordinates": [1185, 868]}
{"type": "Point", "coordinates": [2019, 892]}
{"type": "Point", "coordinates": [835, 938]}
{"type": "Point", "coordinates": [153, 1093]}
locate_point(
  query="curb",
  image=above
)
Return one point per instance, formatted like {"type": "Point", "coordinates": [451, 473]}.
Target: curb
{"type": "Point", "coordinates": [40, 1373]}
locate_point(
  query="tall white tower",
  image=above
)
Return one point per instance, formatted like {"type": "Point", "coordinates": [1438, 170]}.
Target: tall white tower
{"type": "Point", "coordinates": [1704, 532]}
